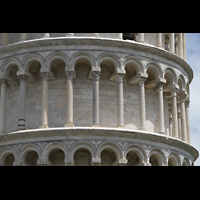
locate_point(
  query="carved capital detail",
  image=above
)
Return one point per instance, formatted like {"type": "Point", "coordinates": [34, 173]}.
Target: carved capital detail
{"type": "Point", "coordinates": [4, 82]}
{"type": "Point", "coordinates": [96, 76]}
{"type": "Point", "coordinates": [160, 84]}
{"type": "Point", "coordinates": [45, 75]}
{"type": "Point", "coordinates": [70, 74]}
{"type": "Point", "coordinates": [120, 78]}
{"type": "Point", "coordinates": [23, 78]}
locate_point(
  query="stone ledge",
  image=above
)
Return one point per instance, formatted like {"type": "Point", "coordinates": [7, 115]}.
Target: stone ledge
{"type": "Point", "coordinates": [98, 131]}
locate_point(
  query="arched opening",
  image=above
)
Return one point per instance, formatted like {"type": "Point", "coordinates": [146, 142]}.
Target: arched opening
{"type": "Point", "coordinates": [9, 160]}
{"type": "Point", "coordinates": [57, 157]}
{"type": "Point", "coordinates": [31, 158]}
{"type": "Point", "coordinates": [130, 36]}
{"type": "Point", "coordinates": [172, 162]}
{"type": "Point", "coordinates": [108, 158]}
{"type": "Point", "coordinates": [82, 157]}
{"type": "Point", "coordinates": [155, 160]}
{"type": "Point", "coordinates": [83, 93]}
{"type": "Point", "coordinates": [107, 95]}
{"type": "Point", "coordinates": [133, 159]}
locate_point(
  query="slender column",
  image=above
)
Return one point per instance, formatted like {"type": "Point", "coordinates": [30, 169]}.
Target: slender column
{"type": "Point", "coordinates": [174, 113]}
{"type": "Point", "coordinates": [160, 108]}
{"type": "Point", "coordinates": [142, 104]}
{"type": "Point", "coordinates": [96, 99]}
{"type": "Point", "coordinates": [179, 124]}
{"type": "Point", "coordinates": [172, 43]}
{"type": "Point", "coordinates": [69, 35]}
{"type": "Point", "coordinates": [69, 99]}
{"type": "Point", "coordinates": [120, 100]}
{"type": "Point", "coordinates": [184, 47]}
{"type": "Point", "coordinates": [22, 101]}
{"type": "Point", "coordinates": [45, 76]}
{"type": "Point", "coordinates": [141, 37]}
{"type": "Point", "coordinates": [95, 34]}
{"type": "Point", "coordinates": [46, 35]}
{"type": "Point", "coordinates": [183, 119]}
{"type": "Point", "coordinates": [24, 36]}
{"type": "Point", "coordinates": [170, 125]}
{"type": "Point", "coordinates": [119, 35]}
{"type": "Point", "coordinates": [159, 40]}
{"type": "Point", "coordinates": [188, 120]}
{"type": "Point", "coordinates": [4, 84]}
{"type": "Point", "coordinates": [5, 38]}
{"type": "Point", "coordinates": [180, 45]}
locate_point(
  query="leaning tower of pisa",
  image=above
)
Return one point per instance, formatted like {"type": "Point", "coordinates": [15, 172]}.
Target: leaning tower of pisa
{"type": "Point", "coordinates": [95, 99]}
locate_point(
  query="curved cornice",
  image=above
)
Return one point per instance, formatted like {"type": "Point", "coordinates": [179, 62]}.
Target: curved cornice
{"type": "Point", "coordinates": [63, 41]}
{"type": "Point", "coordinates": [43, 134]}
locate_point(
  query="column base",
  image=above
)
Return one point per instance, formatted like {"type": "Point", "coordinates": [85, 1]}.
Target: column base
{"type": "Point", "coordinates": [21, 128]}
{"type": "Point", "coordinates": [95, 125]}
{"type": "Point", "coordinates": [43, 126]}
{"type": "Point", "coordinates": [120, 126]}
{"type": "Point", "coordinates": [69, 124]}
{"type": "Point", "coordinates": [143, 129]}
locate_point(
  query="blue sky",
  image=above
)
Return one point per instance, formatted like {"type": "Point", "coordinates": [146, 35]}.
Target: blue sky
{"type": "Point", "coordinates": [193, 58]}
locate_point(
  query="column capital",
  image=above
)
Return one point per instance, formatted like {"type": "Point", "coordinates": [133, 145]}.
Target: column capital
{"type": "Point", "coordinates": [160, 84]}
{"type": "Point", "coordinates": [45, 75]}
{"type": "Point", "coordinates": [96, 75]}
{"type": "Point", "coordinates": [69, 74]}
{"type": "Point", "coordinates": [3, 82]}
{"type": "Point", "coordinates": [174, 91]}
{"type": "Point", "coordinates": [120, 78]}
{"type": "Point", "coordinates": [23, 77]}
{"type": "Point", "coordinates": [187, 103]}
{"type": "Point", "coordinates": [142, 80]}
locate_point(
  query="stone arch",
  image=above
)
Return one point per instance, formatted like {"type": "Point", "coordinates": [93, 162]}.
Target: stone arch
{"type": "Point", "coordinates": [172, 77]}
{"type": "Point", "coordinates": [86, 56]}
{"type": "Point", "coordinates": [110, 145]}
{"type": "Point", "coordinates": [139, 150]}
{"type": "Point", "coordinates": [56, 55]}
{"type": "Point", "coordinates": [135, 61]}
{"type": "Point", "coordinates": [185, 162]}
{"type": "Point", "coordinates": [82, 145]}
{"type": "Point", "coordinates": [175, 159]}
{"type": "Point", "coordinates": [52, 146]}
{"type": "Point", "coordinates": [5, 152]}
{"type": "Point", "coordinates": [114, 59]}
{"type": "Point", "coordinates": [26, 149]}
{"type": "Point", "coordinates": [156, 67]}
{"type": "Point", "coordinates": [27, 60]}
{"type": "Point", "coordinates": [181, 82]}
{"type": "Point", "coordinates": [7, 65]}
{"type": "Point", "coordinates": [159, 155]}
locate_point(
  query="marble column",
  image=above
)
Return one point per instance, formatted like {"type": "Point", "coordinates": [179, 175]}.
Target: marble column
{"type": "Point", "coordinates": [120, 100]}
{"type": "Point", "coordinates": [5, 38]}
{"type": "Point", "coordinates": [96, 76]}
{"type": "Point", "coordinates": [179, 124]}
{"type": "Point", "coordinates": [4, 84]}
{"type": "Point", "coordinates": [160, 108]}
{"type": "Point", "coordinates": [24, 36]}
{"type": "Point", "coordinates": [46, 35]}
{"type": "Point", "coordinates": [172, 43]}
{"type": "Point", "coordinates": [45, 76]}
{"type": "Point", "coordinates": [180, 45]}
{"type": "Point", "coordinates": [69, 35]}
{"type": "Point", "coordinates": [142, 104]}
{"type": "Point", "coordinates": [183, 119]}
{"type": "Point", "coordinates": [159, 40]}
{"type": "Point", "coordinates": [184, 47]}
{"type": "Point", "coordinates": [70, 122]}
{"type": "Point", "coordinates": [120, 36]}
{"type": "Point", "coordinates": [22, 101]}
{"type": "Point", "coordinates": [174, 113]}
{"type": "Point", "coordinates": [95, 35]}
{"type": "Point", "coordinates": [141, 37]}
{"type": "Point", "coordinates": [187, 120]}
{"type": "Point", "coordinates": [170, 125]}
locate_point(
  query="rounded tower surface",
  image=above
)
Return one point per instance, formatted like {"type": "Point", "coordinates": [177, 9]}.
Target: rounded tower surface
{"type": "Point", "coordinates": [95, 99]}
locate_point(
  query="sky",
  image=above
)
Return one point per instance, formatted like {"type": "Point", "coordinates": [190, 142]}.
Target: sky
{"type": "Point", "coordinates": [193, 59]}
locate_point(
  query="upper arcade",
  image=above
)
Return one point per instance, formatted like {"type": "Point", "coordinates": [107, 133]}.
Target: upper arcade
{"type": "Point", "coordinates": [172, 42]}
